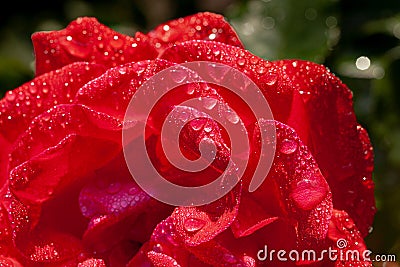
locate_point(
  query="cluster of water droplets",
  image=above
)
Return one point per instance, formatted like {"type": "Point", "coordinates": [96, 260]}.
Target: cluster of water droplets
{"type": "Point", "coordinates": [45, 253]}
{"type": "Point", "coordinates": [110, 198]}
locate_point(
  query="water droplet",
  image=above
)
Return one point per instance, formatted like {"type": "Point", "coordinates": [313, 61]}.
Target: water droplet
{"type": "Point", "coordinates": [261, 70]}
{"type": "Point", "coordinates": [10, 96]}
{"type": "Point", "coordinates": [288, 146]}
{"type": "Point", "coordinates": [190, 89]}
{"type": "Point", "coordinates": [271, 79]}
{"type": "Point", "coordinates": [348, 224]}
{"type": "Point", "coordinates": [209, 103]}
{"type": "Point", "coordinates": [217, 71]}
{"type": "Point", "coordinates": [370, 229]}
{"type": "Point", "coordinates": [122, 70]}
{"type": "Point", "coordinates": [241, 61]}
{"type": "Point", "coordinates": [32, 90]}
{"type": "Point", "coordinates": [75, 48]}
{"type": "Point", "coordinates": [207, 128]}
{"type": "Point", "coordinates": [212, 36]}
{"type": "Point", "coordinates": [367, 183]}
{"type": "Point", "coordinates": [253, 60]}
{"type": "Point", "coordinates": [194, 225]}
{"type": "Point", "coordinates": [232, 116]}
{"type": "Point", "coordinates": [132, 191]}
{"type": "Point", "coordinates": [116, 42]}
{"type": "Point", "coordinates": [229, 258]}
{"type": "Point", "coordinates": [178, 75]}
{"type": "Point", "coordinates": [196, 125]}
{"type": "Point", "coordinates": [114, 188]}
{"type": "Point", "coordinates": [124, 203]}
{"type": "Point", "coordinates": [294, 64]}
{"type": "Point", "coordinates": [216, 52]}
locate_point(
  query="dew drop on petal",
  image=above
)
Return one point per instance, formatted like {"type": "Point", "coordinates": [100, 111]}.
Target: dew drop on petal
{"type": "Point", "coordinates": [190, 90]}
{"type": "Point", "coordinates": [114, 188]}
{"type": "Point", "coordinates": [122, 70]}
{"type": "Point", "coordinates": [75, 48]}
{"type": "Point", "coordinates": [178, 76]}
{"type": "Point", "coordinates": [241, 61]}
{"type": "Point", "coordinates": [216, 52]}
{"type": "Point", "coordinates": [348, 224]}
{"type": "Point", "coordinates": [271, 80]}
{"type": "Point", "coordinates": [116, 42]}
{"type": "Point", "coordinates": [196, 125]}
{"type": "Point", "coordinates": [193, 224]}
{"type": "Point", "coordinates": [209, 103]}
{"type": "Point", "coordinates": [207, 128]}
{"type": "Point", "coordinates": [10, 96]}
{"type": "Point", "coordinates": [261, 70]}
{"type": "Point", "coordinates": [232, 117]}
{"type": "Point", "coordinates": [288, 146]}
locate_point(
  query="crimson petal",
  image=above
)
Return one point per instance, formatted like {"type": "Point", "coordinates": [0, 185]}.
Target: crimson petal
{"type": "Point", "coordinates": [345, 238]}
{"type": "Point", "coordinates": [270, 79]}
{"type": "Point", "coordinates": [55, 136]}
{"type": "Point", "coordinates": [85, 39]}
{"type": "Point", "coordinates": [304, 193]}
{"type": "Point", "coordinates": [339, 144]}
{"type": "Point", "coordinates": [201, 26]}
{"type": "Point", "coordinates": [111, 92]}
{"type": "Point", "coordinates": [22, 104]}
{"type": "Point", "coordinates": [38, 245]}
{"type": "Point", "coordinates": [92, 263]}
{"type": "Point", "coordinates": [251, 217]}
{"type": "Point", "coordinates": [196, 225]}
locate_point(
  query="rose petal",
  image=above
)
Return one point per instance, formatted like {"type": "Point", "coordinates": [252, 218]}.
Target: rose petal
{"type": "Point", "coordinates": [165, 247]}
{"type": "Point", "coordinates": [201, 26]}
{"type": "Point", "coordinates": [226, 250]}
{"type": "Point", "coordinates": [115, 211]}
{"type": "Point", "coordinates": [340, 146]}
{"type": "Point", "coordinates": [9, 262]}
{"type": "Point", "coordinates": [85, 39]}
{"type": "Point", "coordinates": [251, 217]}
{"type": "Point", "coordinates": [59, 135]}
{"type": "Point", "coordinates": [303, 193]}
{"type": "Point", "coordinates": [39, 243]}
{"type": "Point", "coordinates": [92, 263]}
{"type": "Point", "coordinates": [22, 104]}
{"type": "Point", "coordinates": [111, 92]}
{"type": "Point", "coordinates": [161, 260]}
{"type": "Point", "coordinates": [346, 238]}
{"type": "Point", "coordinates": [196, 225]}
{"type": "Point", "coordinates": [270, 79]}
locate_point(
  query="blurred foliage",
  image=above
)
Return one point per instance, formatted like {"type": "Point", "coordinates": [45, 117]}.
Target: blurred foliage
{"type": "Point", "coordinates": [358, 40]}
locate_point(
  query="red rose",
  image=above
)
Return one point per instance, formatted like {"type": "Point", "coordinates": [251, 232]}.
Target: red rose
{"type": "Point", "coordinates": [68, 198]}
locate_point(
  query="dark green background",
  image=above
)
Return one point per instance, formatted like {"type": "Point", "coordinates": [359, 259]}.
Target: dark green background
{"type": "Point", "coordinates": [331, 32]}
